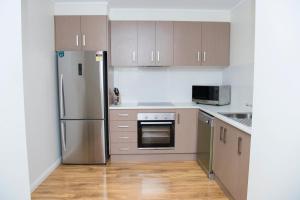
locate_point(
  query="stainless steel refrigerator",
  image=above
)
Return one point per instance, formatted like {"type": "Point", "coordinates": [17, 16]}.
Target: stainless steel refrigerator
{"type": "Point", "coordinates": [82, 82]}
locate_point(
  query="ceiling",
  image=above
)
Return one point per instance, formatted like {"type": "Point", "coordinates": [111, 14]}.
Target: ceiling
{"type": "Point", "coordinates": [163, 4]}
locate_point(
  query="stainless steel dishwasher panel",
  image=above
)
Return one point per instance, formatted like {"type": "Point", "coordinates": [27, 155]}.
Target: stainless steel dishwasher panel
{"type": "Point", "coordinates": [205, 142]}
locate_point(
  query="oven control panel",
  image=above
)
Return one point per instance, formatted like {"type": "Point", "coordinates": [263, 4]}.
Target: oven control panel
{"type": "Point", "coordinates": [156, 116]}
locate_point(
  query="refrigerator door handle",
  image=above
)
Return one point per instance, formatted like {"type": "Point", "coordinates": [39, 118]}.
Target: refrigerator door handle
{"type": "Point", "coordinates": [63, 135]}
{"type": "Point", "coordinates": [62, 97]}
{"type": "Point", "coordinates": [101, 70]}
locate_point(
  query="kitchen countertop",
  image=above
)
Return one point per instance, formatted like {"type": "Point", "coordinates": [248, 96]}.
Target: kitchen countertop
{"type": "Point", "coordinates": [212, 110]}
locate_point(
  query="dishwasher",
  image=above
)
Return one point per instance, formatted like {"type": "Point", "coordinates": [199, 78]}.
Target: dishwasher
{"type": "Point", "coordinates": [205, 142]}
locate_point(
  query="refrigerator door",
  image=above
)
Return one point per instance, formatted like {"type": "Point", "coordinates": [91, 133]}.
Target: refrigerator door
{"type": "Point", "coordinates": [83, 141]}
{"type": "Point", "coordinates": [81, 84]}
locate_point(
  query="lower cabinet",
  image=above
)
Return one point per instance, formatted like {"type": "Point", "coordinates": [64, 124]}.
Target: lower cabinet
{"type": "Point", "coordinates": [231, 158]}
{"type": "Point", "coordinates": [186, 130]}
{"type": "Point", "coordinates": [124, 133]}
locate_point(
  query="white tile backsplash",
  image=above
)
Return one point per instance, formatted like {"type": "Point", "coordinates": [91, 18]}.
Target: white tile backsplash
{"type": "Point", "coordinates": [156, 84]}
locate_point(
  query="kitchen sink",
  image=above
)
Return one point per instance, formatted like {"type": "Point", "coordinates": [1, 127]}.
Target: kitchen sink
{"type": "Point", "coordinates": [244, 118]}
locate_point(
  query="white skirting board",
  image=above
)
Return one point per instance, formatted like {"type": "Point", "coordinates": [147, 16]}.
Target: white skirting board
{"type": "Point", "coordinates": [45, 174]}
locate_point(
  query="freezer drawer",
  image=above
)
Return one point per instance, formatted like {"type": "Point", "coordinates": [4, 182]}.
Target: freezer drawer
{"type": "Point", "coordinates": [81, 85]}
{"type": "Point", "coordinates": [83, 141]}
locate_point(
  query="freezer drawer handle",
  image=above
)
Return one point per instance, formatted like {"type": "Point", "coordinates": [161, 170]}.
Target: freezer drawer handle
{"type": "Point", "coordinates": [63, 135]}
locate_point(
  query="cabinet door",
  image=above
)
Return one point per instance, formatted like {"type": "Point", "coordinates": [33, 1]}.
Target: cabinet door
{"type": "Point", "coordinates": [187, 43]}
{"type": "Point", "coordinates": [215, 43]}
{"type": "Point", "coordinates": [146, 43]}
{"type": "Point", "coordinates": [218, 150]}
{"type": "Point", "coordinates": [94, 32]}
{"type": "Point", "coordinates": [186, 131]}
{"type": "Point", "coordinates": [244, 155]}
{"type": "Point", "coordinates": [230, 177]}
{"type": "Point", "coordinates": [124, 43]}
{"type": "Point", "coordinates": [67, 33]}
{"type": "Point", "coordinates": [164, 43]}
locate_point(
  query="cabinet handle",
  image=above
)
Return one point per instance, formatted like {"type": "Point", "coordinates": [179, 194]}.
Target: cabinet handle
{"type": "Point", "coordinates": [158, 56]}
{"type": "Point", "coordinates": [224, 136]}
{"type": "Point", "coordinates": [221, 133]}
{"type": "Point", "coordinates": [198, 56]}
{"type": "Point", "coordinates": [240, 140]}
{"type": "Point", "coordinates": [152, 56]}
{"type": "Point", "coordinates": [178, 118]}
{"type": "Point", "coordinates": [77, 40]}
{"type": "Point", "coordinates": [123, 115]}
{"type": "Point", "coordinates": [124, 149]}
{"type": "Point", "coordinates": [133, 56]}
{"type": "Point", "coordinates": [123, 126]}
{"type": "Point", "coordinates": [204, 56]}
{"type": "Point", "coordinates": [83, 40]}
{"type": "Point", "coordinates": [123, 137]}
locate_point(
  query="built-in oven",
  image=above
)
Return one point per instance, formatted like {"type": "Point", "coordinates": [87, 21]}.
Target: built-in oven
{"type": "Point", "coordinates": [156, 130]}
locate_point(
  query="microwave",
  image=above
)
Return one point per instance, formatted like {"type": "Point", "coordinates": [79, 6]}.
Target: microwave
{"type": "Point", "coordinates": [212, 95]}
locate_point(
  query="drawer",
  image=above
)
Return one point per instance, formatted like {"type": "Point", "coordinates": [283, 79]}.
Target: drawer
{"type": "Point", "coordinates": [123, 148]}
{"type": "Point", "coordinates": [121, 137]}
{"type": "Point", "coordinates": [123, 115]}
{"type": "Point", "coordinates": [121, 126]}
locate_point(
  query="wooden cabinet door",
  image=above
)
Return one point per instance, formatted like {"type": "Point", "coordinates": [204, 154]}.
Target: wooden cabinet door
{"type": "Point", "coordinates": [244, 141]}
{"type": "Point", "coordinates": [164, 43]}
{"type": "Point", "coordinates": [186, 131]}
{"type": "Point", "coordinates": [187, 43]}
{"type": "Point", "coordinates": [94, 32]}
{"type": "Point", "coordinates": [146, 43]}
{"type": "Point", "coordinates": [124, 43]}
{"type": "Point", "coordinates": [67, 33]}
{"type": "Point", "coordinates": [231, 166]}
{"type": "Point", "coordinates": [217, 149]}
{"type": "Point", "coordinates": [215, 43]}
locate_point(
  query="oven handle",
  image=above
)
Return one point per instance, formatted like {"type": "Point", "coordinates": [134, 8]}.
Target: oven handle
{"type": "Point", "coordinates": [145, 123]}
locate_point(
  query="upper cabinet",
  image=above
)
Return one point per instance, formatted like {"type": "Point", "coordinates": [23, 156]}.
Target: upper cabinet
{"type": "Point", "coordinates": [81, 32]}
{"type": "Point", "coordinates": [164, 43]}
{"type": "Point", "coordinates": [143, 43]}
{"type": "Point", "coordinates": [201, 43]}
{"type": "Point", "coordinates": [124, 43]}
{"type": "Point", "coordinates": [187, 43]}
{"type": "Point", "coordinates": [215, 43]}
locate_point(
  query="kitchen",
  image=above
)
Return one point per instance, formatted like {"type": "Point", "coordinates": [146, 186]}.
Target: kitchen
{"type": "Point", "coordinates": [144, 76]}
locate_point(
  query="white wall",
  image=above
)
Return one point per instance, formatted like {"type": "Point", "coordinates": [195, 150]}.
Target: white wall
{"type": "Point", "coordinates": [40, 89]}
{"type": "Point", "coordinates": [140, 84]}
{"type": "Point", "coordinates": [102, 8]}
{"type": "Point", "coordinates": [14, 178]}
{"type": "Point", "coordinates": [240, 72]}
{"type": "Point", "coordinates": [169, 14]}
{"type": "Point", "coordinates": [274, 162]}
{"type": "Point", "coordinates": [80, 8]}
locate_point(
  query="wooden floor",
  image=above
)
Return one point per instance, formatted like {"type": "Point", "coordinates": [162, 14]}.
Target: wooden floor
{"type": "Point", "coordinates": [155, 181]}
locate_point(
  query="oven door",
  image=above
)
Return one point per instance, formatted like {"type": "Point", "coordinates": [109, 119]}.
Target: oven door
{"type": "Point", "coordinates": [156, 134]}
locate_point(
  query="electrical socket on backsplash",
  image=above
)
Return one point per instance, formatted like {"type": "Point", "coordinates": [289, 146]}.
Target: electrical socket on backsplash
{"type": "Point", "coordinates": [249, 105]}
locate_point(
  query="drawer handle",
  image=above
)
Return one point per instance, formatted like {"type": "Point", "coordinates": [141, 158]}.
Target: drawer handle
{"type": "Point", "coordinates": [123, 126]}
{"type": "Point", "coordinates": [123, 115]}
{"type": "Point", "coordinates": [124, 149]}
{"type": "Point", "coordinates": [123, 137]}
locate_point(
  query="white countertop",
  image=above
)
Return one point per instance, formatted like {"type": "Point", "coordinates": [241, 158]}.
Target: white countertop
{"type": "Point", "coordinates": [212, 110]}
